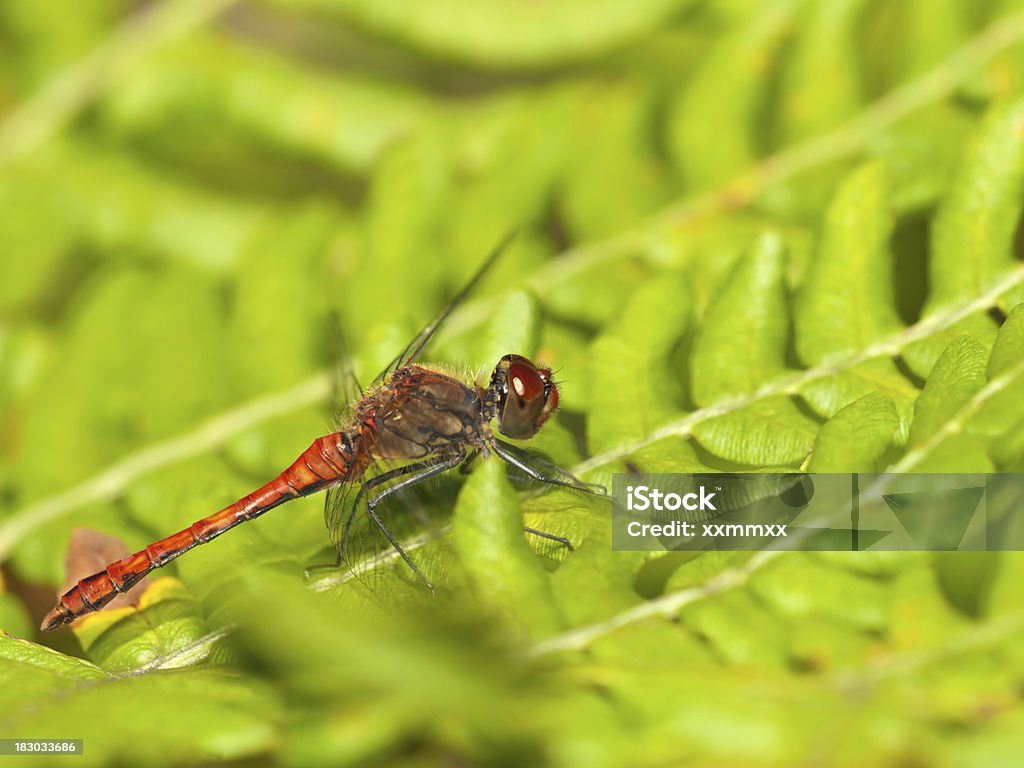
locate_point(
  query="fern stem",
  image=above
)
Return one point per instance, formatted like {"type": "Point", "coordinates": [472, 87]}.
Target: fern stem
{"type": "Point", "coordinates": [934, 85]}
{"type": "Point", "coordinates": [662, 607]}
{"type": "Point", "coordinates": [913, 458]}
{"type": "Point", "coordinates": [889, 346]}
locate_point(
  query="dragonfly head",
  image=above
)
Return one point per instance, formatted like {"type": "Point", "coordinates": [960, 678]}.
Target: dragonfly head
{"type": "Point", "coordinates": [523, 395]}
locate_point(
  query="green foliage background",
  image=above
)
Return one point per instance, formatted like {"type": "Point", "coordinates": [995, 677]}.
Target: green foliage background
{"type": "Point", "coordinates": [753, 234]}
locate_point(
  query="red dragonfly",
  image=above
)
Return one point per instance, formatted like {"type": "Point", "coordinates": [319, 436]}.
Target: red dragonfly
{"type": "Point", "coordinates": [412, 414]}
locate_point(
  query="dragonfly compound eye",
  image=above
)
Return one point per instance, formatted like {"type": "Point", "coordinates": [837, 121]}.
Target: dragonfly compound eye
{"type": "Point", "coordinates": [524, 380]}
{"type": "Point", "coordinates": [527, 396]}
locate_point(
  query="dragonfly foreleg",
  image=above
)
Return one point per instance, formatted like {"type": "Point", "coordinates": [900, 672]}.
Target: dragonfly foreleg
{"type": "Point", "coordinates": [542, 470]}
{"type": "Point", "coordinates": [427, 469]}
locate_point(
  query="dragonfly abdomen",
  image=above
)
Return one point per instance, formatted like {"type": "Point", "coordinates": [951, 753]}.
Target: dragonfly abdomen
{"type": "Point", "coordinates": [328, 461]}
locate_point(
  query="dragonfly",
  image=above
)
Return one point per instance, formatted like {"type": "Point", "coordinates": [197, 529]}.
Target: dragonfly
{"type": "Point", "coordinates": [417, 421]}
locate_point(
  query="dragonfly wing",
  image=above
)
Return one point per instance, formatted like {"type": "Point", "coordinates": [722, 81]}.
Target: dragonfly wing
{"type": "Point", "coordinates": [357, 553]}
{"type": "Point", "coordinates": [419, 342]}
{"type": "Point", "coordinates": [339, 514]}
{"type": "Point", "coordinates": [346, 390]}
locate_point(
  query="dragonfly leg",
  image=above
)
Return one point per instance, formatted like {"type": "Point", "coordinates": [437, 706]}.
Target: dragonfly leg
{"type": "Point", "coordinates": [542, 470]}
{"type": "Point", "coordinates": [432, 468]}
{"type": "Point", "coordinates": [467, 465]}
{"type": "Point", "coordinates": [372, 483]}
{"type": "Point", "coordinates": [544, 535]}
{"type": "Point", "coordinates": [354, 507]}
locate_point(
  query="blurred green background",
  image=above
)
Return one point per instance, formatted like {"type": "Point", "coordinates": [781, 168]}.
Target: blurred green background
{"type": "Point", "coordinates": [768, 234]}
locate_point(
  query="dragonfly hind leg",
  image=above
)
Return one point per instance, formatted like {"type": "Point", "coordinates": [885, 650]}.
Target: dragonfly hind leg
{"type": "Point", "coordinates": [424, 471]}
{"type": "Point", "coordinates": [369, 485]}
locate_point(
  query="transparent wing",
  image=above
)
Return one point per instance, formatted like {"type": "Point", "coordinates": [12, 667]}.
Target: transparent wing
{"type": "Point", "coordinates": [357, 545]}
{"type": "Point", "coordinates": [416, 346]}
{"type": "Point", "coordinates": [339, 511]}
{"type": "Point", "coordinates": [358, 550]}
{"type": "Point", "coordinates": [346, 394]}
{"type": "Point", "coordinates": [346, 391]}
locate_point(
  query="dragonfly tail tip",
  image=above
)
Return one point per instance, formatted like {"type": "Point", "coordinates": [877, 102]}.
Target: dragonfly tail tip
{"type": "Point", "coordinates": [54, 619]}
